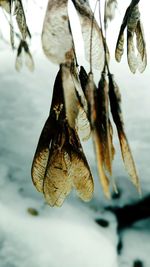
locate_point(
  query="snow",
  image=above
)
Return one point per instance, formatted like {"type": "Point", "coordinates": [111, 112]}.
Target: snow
{"type": "Point", "coordinates": [69, 236]}
{"type": "Point", "coordinates": [56, 237]}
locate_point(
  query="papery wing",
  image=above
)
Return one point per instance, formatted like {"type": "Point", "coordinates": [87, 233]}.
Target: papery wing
{"type": "Point", "coordinates": [75, 102]}
{"type": "Point", "coordinates": [141, 47]}
{"type": "Point", "coordinates": [128, 159]}
{"type": "Point", "coordinates": [29, 61]}
{"type": "Point", "coordinates": [86, 17]}
{"type": "Point", "coordinates": [57, 182]}
{"type": "Point", "coordinates": [103, 123]}
{"type": "Point", "coordinates": [132, 59]}
{"type": "Point", "coordinates": [115, 103]}
{"type": "Point", "coordinates": [80, 171]}
{"type": "Point", "coordinates": [19, 62]}
{"type": "Point", "coordinates": [6, 5]}
{"type": "Point", "coordinates": [56, 36]}
{"type": "Point", "coordinates": [21, 19]}
{"type": "Point", "coordinates": [133, 17]}
{"type": "Point", "coordinates": [41, 156]}
{"type": "Point", "coordinates": [28, 57]}
{"type": "Point", "coordinates": [120, 41]}
{"type": "Point", "coordinates": [82, 122]}
{"type": "Point", "coordinates": [120, 46]}
{"type": "Point", "coordinates": [49, 132]}
{"type": "Point", "coordinates": [99, 157]}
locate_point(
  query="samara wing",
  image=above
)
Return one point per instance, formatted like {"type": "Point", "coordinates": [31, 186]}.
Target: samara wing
{"type": "Point", "coordinates": [92, 34]}
{"type": "Point", "coordinates": [115, 103]}
{"type": "Point", "coordinates": [75, 102]}
{"type": "Point", "coordinates": [56, 36]}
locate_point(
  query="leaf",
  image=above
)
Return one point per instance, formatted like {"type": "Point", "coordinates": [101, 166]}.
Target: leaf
{"type": "Point", "coordinates": [87, 22]}
{"type": "Point", "coordinates": [56, 36]}
{"type": "Point", "coordinates": [115, 103]}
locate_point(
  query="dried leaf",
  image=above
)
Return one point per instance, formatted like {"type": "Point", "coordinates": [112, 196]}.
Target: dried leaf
{"type": "Point", "coordinates": [56, 36]}
{"type": "Point", "coordinates": [87, 22]}
{"type": "Point", "coordinates": [115, 103]}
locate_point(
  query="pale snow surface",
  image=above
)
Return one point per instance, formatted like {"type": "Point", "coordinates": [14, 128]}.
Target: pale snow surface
{"type": "Point", "coordinates": [65, 237]}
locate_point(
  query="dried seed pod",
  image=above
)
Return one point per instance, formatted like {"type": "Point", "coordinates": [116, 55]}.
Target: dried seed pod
{"type": "Point", "coordinates": [115, 103]}
{"type": "Point", "coordinates": [110, 9]}
{"type": "Point", "coordinates": [21, 19]}
{"type": "Point", "coordinates": [59, 163]}
{"type": "Point", "coordinates": [56, 36]}
{"type": "Point", "coordinates": [134, 28]}
{"type": "Point", "coordinates": [24, 49]}
{"type": "Point", "coordinates": [6, 4]}
{"type": "Point", "coordinates": [87, 21]}
{"type": "Point", "coordinates": [75, 102]}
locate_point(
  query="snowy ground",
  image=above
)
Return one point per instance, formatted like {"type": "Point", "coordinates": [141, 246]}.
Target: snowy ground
{"type": "Point", "coordinates": [69, 236]}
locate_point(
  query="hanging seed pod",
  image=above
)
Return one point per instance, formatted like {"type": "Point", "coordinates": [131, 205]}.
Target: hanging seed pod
{"type": "Point", "coordinates": [59, 163]}
{"type": "Point", "coordinates": [115, 103]}
{"type": "Point", "coordinates": [76, 104]}
{"type": "Point", "coordinates": [134, 29]}
{"type": "Point", "coordinates": [110, 8]}
{"type": "Point", "coordinates": [6, 4]}
{"type": "Point", "coordinates": [21, 19]}
{"type": "Point", "coordinates": [56, 36]}
{"type": "Point", "coordinates": [23, 51]}
{"type": "Point", "coordinates": [87, 21]}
